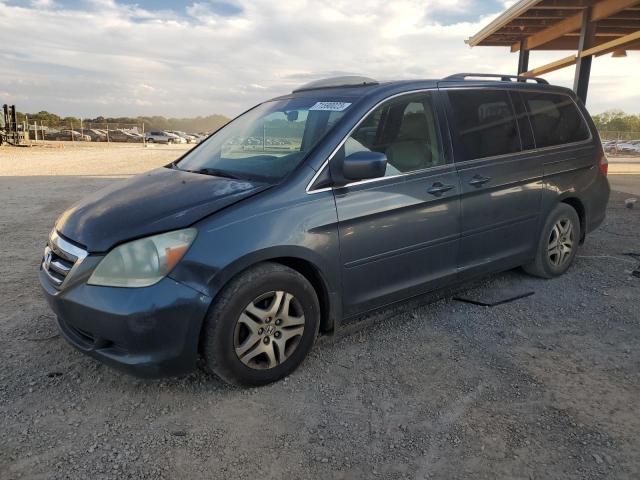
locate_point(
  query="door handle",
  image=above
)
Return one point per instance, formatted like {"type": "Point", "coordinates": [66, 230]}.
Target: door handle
{"type": "Point", "coordinates": [478, 180]}
{"type": "Point", "coordinates": [438, 189]}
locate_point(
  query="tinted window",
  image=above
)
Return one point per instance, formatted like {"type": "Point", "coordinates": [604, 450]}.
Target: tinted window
{"type": "Point", "coordinates": [555, 119]}
{"type": "Point", "coordinates": [485, 123]}
{"type": "Point", "coordinates": [405, 130]}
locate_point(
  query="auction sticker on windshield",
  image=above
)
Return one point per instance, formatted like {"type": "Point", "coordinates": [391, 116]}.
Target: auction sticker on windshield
{"type": "Point", "coordinates": [331, 106]}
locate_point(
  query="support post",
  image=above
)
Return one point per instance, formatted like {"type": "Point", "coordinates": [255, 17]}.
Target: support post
{"type": "Point", "coordinates": [583, 64]}
{"type": "Point", "coordinates": [523, 58]}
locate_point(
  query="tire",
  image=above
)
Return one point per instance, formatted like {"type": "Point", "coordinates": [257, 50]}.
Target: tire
{"type": "Point", "coordinates": [248, 338]}
{"type": "Point", "coordinates": [150, 140]}
{"type": "Point", "coordinates": [553, 259]}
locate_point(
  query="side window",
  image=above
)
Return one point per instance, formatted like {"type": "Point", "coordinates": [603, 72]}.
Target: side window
{"type": "Point", "coordinates": [555, 119]}
{"type": "Point", "coordinates": [485, 123]}
{"type": "Point", "coordinates": [405, 130]}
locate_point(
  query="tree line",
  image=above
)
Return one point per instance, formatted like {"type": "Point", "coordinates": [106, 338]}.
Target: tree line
{"type": "Point", "coordinates": [617, 121]}
{"type": "Point", "coordinates": [192, 125]}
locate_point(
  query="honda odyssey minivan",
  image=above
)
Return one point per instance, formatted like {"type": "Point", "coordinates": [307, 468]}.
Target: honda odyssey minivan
{"type": "Point", "coordinates": [345, 196]}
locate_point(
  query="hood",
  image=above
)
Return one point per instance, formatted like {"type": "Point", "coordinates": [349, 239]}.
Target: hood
{"type": "Point", "coordinates": [153, 202]}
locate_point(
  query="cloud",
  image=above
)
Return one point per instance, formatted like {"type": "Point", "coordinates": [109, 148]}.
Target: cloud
{"type": "Point", "coordinates": [128, 57]}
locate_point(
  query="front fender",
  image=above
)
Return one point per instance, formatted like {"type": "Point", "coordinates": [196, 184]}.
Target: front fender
{"type": "Point", "coordinates": [269, 227]}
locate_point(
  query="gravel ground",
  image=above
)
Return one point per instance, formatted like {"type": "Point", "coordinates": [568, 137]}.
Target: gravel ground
{"type": "Point", "coordinates": [541, 388]}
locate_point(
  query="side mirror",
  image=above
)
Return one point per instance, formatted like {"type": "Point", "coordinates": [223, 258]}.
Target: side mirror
{"type": "Point", "coordinates": [358, 166]}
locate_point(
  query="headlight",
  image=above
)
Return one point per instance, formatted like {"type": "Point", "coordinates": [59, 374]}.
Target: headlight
{"type": "Point", "coordinates": [143, 262]}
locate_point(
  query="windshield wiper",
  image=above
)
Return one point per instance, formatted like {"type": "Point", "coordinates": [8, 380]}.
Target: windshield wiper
{"type": "Point", "coordinates": [212, 171]}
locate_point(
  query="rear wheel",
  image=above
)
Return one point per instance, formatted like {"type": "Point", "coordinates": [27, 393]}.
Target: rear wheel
{"type": "Point", "coordinates": [558, 244]}
{"type": "Point", "coordinates": [262, 326]}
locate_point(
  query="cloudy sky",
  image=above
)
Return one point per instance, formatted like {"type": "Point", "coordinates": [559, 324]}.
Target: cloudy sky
{"type": "Point", "coordinates": [131, 57]}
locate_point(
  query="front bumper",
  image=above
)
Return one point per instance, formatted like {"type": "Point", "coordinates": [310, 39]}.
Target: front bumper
{"type": "Point", "coordinates": [148, 332]}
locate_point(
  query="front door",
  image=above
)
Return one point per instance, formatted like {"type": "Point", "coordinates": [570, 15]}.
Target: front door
{"type": "Point", "coordinates": [399, 233]}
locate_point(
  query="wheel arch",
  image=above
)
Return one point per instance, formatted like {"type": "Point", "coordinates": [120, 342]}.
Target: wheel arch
{"type": "Point", "coordinates": [302, 261]}
{"type": "Point", "coordinates": [579, 207]}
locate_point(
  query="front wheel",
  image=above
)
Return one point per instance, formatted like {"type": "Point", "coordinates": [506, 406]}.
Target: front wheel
{"type": "Point", "coordinates": [262, 326]}
{"type": "Point", "coordinates": [558, 244]}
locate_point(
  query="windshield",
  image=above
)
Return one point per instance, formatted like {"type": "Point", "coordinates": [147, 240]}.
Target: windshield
{"type": "Point", "coordinates": [267, 142]}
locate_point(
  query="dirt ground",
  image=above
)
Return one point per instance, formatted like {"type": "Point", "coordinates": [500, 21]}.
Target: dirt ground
{"type": "Point", "coordinates": [545, 387]}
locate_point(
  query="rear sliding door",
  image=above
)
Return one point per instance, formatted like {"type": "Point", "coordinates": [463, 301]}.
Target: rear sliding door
{"type": "Point", "coordinates": [500, 181]}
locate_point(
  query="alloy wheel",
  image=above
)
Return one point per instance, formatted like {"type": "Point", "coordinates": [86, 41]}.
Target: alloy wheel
{"type": "Point", "coordinates": [561, 240]}
{"type": "Point", "coordinates": [269, 330]}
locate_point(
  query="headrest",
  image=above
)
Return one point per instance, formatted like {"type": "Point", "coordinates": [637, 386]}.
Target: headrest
{"type": "Point", "coordinates": [413, 127]}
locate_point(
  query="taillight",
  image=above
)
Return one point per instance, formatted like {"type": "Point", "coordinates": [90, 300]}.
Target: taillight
{"type": "Point", "coordinates": [603, 164]}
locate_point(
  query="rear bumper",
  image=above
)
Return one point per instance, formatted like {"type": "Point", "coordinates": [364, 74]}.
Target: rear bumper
{"type": "Point", "coordinates": [147, 332]}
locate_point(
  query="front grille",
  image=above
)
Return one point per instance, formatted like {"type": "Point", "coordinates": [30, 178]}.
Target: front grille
{"type": "Point", "coordinates": [60, 259]}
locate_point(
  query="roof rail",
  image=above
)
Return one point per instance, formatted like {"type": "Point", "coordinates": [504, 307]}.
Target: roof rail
{"type": "Point", "coordinates": [503, 78]}
{"type": "Point", "coordinates": [335, 82]}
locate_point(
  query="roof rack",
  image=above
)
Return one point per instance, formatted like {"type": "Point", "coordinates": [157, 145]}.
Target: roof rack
{"type": "Point", "coordinates": [335, 82]}
{"type": "Point", "coordinates": [503, 78]}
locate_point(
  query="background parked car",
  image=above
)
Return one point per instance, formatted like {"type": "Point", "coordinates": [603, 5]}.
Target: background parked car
{"type": "Point", "coordinates": [117, 136]}
{"type": "Point", "coordinates": [176, 138]}
{"type": "Point", "coordinates": [160, 137]}
{"type": "Point", "coordinates": [631, 146]}
{"type": "Point", "coordinates": [609, 146]}
{"type": "Point", "coordinates": [120, 135]}
{"type": "Point", "coordinates": [135, 137]}
{"type": "Point", "coordinates": [94, 134]}
{"type": "Point", "coordinates": [187, 137]}
{"type": "Point", "coordinates": [67, 135]}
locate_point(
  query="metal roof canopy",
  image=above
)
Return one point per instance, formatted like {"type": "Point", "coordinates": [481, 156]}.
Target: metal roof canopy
{"type": "Point", "coordinates": [590, 27]}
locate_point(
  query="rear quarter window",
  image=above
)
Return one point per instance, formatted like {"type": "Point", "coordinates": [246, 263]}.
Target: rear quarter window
{"type": "Point", "coordinates": [555, 119]}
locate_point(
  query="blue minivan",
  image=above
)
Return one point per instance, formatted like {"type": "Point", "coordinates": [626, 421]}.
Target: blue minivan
{"type": "Point", "coordinates": [345, 196]}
